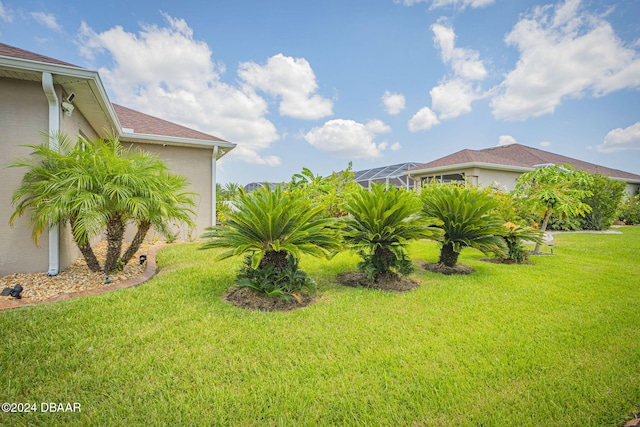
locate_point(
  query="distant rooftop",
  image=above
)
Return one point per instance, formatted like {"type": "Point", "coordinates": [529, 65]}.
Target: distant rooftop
{"type": "Point", "coordinates": [522, 156]}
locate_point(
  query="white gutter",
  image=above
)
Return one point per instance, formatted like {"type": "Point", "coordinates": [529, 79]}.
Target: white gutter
{"type": "Point", "coordinates": [54, 129]}
{"type": "Point", "coordinates": [128, 136]}
{"type": "Point", "coordinates": [214, 159]}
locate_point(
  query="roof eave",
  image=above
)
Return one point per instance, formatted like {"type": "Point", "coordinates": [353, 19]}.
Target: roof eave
{"type": "Point", "coordinates": [101, 97]}
{"type": "Point", "coordinates": [467, 165]}
{"type": "Point", "coordinates": [181, 142]}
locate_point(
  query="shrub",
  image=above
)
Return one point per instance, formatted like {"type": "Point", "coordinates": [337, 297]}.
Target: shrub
{"type": "Point", "coordinates": [467, 217]}
{"type": "Point", "coordinates": [630, 210]}
{"type": "Point", "coordinates": [607, 194]}
{"type": "Point", "coordinates": [274, 229]}
{"type": "Point", "coordinates": [514, 236]}
{"type": "Point", "coordinates": [380, 224]}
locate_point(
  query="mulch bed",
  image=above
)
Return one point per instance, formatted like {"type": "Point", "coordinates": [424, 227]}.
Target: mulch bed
{"type": "Point", "coordinates": [252, 300]}
{"type": "Point", "coordinates": [388, 282]}
{"type": "Point", "coordinates": [443, 269]}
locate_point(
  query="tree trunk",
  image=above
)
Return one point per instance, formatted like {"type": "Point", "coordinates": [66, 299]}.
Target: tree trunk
{"type": "Point", "coordinates": [115, 234]}
{"type": "Point", "coordinates": [86, 251]}
{"type": "Point", "coordinates": [545, 222]}
{"type": "Point", "coordinates": [274, 258]}
{"type": "Point", "coordinates": [448, 256]}
{"type": "Point", "coordinates": [143, 228]}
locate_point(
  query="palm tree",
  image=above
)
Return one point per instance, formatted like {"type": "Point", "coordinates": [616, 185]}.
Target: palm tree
{"type": "Point", "coordinates": [467, 220]}
{"type": "Point", "coordinates": [514, 236]}
{"type": "Point", "coordinates": [232, 190]}
{"type": "Point", "coordinates": [380, 224]}
{"type": "Point", "coordinates": [274, 228]}
{"type": "Point", "coordinates": [95, 185]}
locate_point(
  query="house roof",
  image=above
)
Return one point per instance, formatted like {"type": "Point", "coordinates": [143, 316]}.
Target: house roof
{"type": "Point", "coordinates": [518, 157]}
{"type": "Point", "coordinates": [16, 52]}
{"type": "Point", "coordinates": [92, 101]}
{"type": "Point", "coordinates": [138, 122]}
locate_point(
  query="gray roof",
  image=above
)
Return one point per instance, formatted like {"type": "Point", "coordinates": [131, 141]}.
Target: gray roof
{"type": "Point", "coordinates": [392, 174]}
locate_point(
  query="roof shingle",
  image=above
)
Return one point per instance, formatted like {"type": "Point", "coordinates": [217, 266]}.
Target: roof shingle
{"type": "Point", "coordinates": [15, 52]}
{"type": "Point", "coordinates": [149, 125]}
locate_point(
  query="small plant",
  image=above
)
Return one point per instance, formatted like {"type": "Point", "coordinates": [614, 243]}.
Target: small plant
{"type": "Point", "coordinates": [630, 210]}
{"type": "Point", "coordinates": [380, 224]}
{"type": "Point", "coordinates": [274, 228]}
{"type": "Point", "coordinates": [467, 217]}
{"type": "Point", "coordinates": [287, 281]}
{"type": "Point", "coordinates": [514, 236]}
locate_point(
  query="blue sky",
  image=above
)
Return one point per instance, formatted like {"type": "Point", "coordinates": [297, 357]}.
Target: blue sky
{"type": "Point", "coordinates": [318, 84]}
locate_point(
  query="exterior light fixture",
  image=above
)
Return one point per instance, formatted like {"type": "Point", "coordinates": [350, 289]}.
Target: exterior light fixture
{"type": "Point", "coordinates": [551, 247]}
{"type": "Point", "coordinates": [14, 292]}
{"type": "Point", "coordinates": [143, 259]}
{"type": "Point", "coordinates": [107, 280]}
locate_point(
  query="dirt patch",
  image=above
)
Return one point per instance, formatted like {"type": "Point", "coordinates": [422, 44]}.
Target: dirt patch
{"type": "Point", "coordinates": [505, 261]}
{"type": "Point", "coordinates": [252, 300]}
{"type": "Point", "coordinates": [443, 269]}
{"type": "Point", "coordinates": [388, 282]}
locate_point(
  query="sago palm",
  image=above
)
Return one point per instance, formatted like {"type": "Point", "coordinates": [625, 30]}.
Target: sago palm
{"type": "Point", "coordinates": [514, 237]}
{"type": "Point", "coordinates": [274, 229]}
{"type": "Point", "coordinates": [467, 220]}
{"type": "Point", "coordinates": [380, 224]}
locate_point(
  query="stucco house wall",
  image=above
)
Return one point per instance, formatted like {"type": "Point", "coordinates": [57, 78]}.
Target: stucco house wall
{"type": "Point", "coordinates": [196, 165]}
{"type": "Point", "coordinates": [25, 114]}
{"type": "Point", "coordinates": [25, 103]}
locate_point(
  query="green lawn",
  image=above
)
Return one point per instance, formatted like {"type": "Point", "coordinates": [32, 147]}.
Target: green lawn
{"type": "Point", "coordinates": [550, 344]}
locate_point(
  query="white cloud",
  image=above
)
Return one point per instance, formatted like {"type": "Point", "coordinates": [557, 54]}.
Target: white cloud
{"type": "Point", "coordinates": [424, 119]}
{"type": "Point", "coordinates": [545, 144]}
{"type": "Point", "coordinates": [464, 62]}
{"type": "Point", "coordinates": [293, 80]}
{"type": "Point", "coordinates": [506, 140]}
{"type": "Point", "coordinates": [564, 52]}
{"type": "Point", "coordinates": [5, 14]}
{"type": "Point", "coordinates": [47, 19]}
{"type": "Point", "coordinates": [393, 102]}
{"type": "Point", "coordinates": [621, 140]}
{"type": "Point", "coordinates": [460, 4]}
{"type": "Point", "coordinates": [377, 126]}
{"type": "Point", "coordinates": [347, 138]}
{"type": "Point", "coordinates": [395, 146]}
{"type": "Point", "coordinates": [165, 72]}
{"type": "Point", "coordinates": [453, 98]}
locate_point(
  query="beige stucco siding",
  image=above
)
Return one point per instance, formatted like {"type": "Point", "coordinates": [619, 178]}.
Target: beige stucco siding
{"type": "Point", "coordinates": [24, 117]}
{"type": "Point", "coordinates": [195, 164]}
{"type": "Point", "coordinates": [487, 177]}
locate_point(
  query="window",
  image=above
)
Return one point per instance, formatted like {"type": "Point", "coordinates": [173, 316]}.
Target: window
{"type": "Point", "coordinates": [453, 178]}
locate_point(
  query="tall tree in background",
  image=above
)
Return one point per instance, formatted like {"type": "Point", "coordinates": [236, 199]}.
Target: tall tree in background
{"type": "Point", "coordinates": [554, 188]}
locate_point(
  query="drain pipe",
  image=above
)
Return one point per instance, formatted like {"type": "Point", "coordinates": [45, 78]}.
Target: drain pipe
{"type": "Point", "coordinates": [54, 129]}
{"type": "Point", "coordinates": [214, 159]}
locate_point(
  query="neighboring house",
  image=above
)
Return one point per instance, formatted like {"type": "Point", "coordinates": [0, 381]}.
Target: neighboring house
{"type": "Point", "coordinates": [41, 95]}
{"type": "Point", "coordinates": [503, 165]}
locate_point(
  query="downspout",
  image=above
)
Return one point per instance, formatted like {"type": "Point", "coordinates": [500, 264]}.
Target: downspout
{"type": "Point", "coordinates": [213, 185]}
{"type": "Point", "coordinates": [54, 129]}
